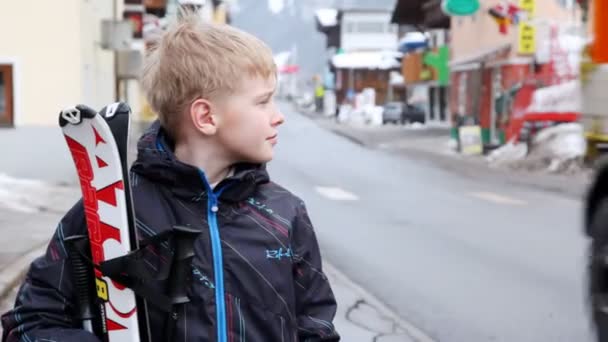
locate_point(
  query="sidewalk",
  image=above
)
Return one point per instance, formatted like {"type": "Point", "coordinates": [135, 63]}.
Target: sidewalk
{"type": "Point", "coordinates": [431, 145]}
{"type": "Point", "coordinates": [29, 214]}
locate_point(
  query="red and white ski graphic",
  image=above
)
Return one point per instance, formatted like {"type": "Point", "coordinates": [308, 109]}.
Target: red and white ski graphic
{"type": "Point", "coordinates": [99, 167]}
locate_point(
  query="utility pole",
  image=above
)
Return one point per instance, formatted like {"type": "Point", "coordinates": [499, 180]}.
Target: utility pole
{"type": "Point", "coordinates": [115, 56]}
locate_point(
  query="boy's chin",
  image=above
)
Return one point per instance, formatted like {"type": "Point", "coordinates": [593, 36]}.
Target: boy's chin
{"type": "Point", "coordinates": [262, 158]}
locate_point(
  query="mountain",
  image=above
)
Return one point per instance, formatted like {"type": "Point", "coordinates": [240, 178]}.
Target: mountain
{"type": "Point", "coordinates": [285, 23]}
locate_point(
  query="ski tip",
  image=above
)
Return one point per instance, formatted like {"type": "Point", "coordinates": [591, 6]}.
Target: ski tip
{"type": "Point", "coordinates": [116, 108]}
{"type": "Point", "coordinates": [74, 115]}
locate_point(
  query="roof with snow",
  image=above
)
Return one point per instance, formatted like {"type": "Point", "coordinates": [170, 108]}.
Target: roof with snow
{"type": "Point", "coordinates": [327, 16]}
{"type": "Point", "coordinates": [367, 60]}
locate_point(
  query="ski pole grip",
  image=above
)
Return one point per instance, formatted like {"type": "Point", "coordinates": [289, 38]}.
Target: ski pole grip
{"type": "Point", "coordinates": [183, 238]}
{"type": "Point", "coordinates": [77, 247]}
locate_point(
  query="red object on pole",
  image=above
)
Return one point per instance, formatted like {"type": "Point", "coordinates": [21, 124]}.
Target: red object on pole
{"type": "Point", "coordinates": [599, 48]}
{"type": "Point", "coordinates": [289, 69]}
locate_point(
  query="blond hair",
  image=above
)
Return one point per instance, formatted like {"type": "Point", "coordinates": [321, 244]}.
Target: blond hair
{"type": "Point", "coordinates": [194, 59]}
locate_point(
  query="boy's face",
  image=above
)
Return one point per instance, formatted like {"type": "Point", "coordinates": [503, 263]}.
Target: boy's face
{"type": "Point", "coordinates": [248, 121]}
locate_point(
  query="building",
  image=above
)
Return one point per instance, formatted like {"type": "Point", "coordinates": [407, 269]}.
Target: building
{"type": "Point", "coordinates": [52, 60]}
{"type": "Point", "coordinates": [361, 51]}
{"type": "Point", "coordinates": [60, 55]}
{"type": "Point", "coordinates": [511, 50]}
{"type": "Point", "coordinates": [425, 41]}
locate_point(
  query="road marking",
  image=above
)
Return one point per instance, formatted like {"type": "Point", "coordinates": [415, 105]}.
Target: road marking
{"type": "Point", "coordinates": [336, 194]}
{"type": "Point", "coordinates": [496, 198]}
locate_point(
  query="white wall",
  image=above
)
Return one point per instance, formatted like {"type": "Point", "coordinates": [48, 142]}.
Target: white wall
{"type": "Point", "coordinates": [45, 48]}
{"type": "Point", "coordinates": [368, 31]}
{"type": "Point", "coordinates": [56, 57]}
{"type": "Point", "coordinates": [97, 66]}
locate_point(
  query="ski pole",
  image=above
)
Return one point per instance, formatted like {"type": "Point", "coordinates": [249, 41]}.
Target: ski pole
{"type": "Point", "coordinates": [179, 274]}
{"type": "Point", "coordinates": [77, 247]}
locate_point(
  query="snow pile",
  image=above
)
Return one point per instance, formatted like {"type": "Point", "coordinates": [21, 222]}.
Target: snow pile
{"type": "Point", "coordinates": [557, 149]}
{"type": "Point", "coordinates": [276, 6]}
{"type": "Point", "coordinates": [367, 60]}
{"type": "Point", "coordinates": [507, 153]}
{"type": "Point", "coordinates": [415, 126]}
{"type": "Point", "coordinates": [31, 196]}
{"type": "Point", "coordinates": [396, 78]}
{"type": "Point", "coordinates": [368, 115]}
{"type": "Point", "coordinates": [560, 98]}
{"type": "Point", "coordinates": [327, 16]}
{"type": "Point", "coordinates": [412, 38]}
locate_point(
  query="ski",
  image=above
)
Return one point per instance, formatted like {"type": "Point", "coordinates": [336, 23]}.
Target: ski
{"type": "Point", "coordinates": [98, 144]}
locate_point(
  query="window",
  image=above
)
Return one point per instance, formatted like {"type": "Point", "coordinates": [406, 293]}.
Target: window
{"type": "Point", "coordinates": [6, 95]}
{"type": "Point", "coordinates": [371, 27]}
{"type": "Point", "coordinates": [568, 4]}
{"type": "Point", "coordinates": [350, 27]}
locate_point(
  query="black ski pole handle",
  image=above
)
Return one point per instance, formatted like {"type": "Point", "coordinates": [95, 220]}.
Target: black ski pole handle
{"type": "Point", "coordinates": [183, 242]}
{"type": "Point", "coordinates": [77, 247]}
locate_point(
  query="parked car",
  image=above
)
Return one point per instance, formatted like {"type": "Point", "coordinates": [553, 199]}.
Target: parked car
{"type": "Point", "coordinates": [393, 112]}
{"type": "Point", "coordinates": [398, 112]}
{"type": "Point", "coordinates": [413, 113]}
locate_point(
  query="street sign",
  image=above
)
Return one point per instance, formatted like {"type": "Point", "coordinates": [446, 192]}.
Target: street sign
{"type": "Point", "coordinates": [526, 39]}
{"type": "Point", "coordinates": [470, 140]}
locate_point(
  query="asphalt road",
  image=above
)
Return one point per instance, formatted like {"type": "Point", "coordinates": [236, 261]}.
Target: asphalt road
{"type": "Point", "coordinates": [462, 259]}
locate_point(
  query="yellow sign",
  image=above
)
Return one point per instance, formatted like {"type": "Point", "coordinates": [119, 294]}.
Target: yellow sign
{"type": "Point", "coordinates": [528, 5]}
{"type": "Point", "coordinates": [470, 140]}
{"type": "Point", "coordinates": [527, 39]}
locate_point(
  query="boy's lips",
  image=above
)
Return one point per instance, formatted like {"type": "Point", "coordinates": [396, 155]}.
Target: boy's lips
{"type": "Point", "coordinates": [273, 139]}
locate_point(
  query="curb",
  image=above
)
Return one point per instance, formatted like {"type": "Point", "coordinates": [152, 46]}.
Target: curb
{"type": "Point", "coordinates": [414, 332]}
{"type": "Point", "coordinates": [349, 137]}
{"type": "Point", "coordinates": [16, 270]}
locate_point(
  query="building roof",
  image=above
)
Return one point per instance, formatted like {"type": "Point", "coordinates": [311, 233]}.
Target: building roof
{"type": "Point", "coordinates": [365, 9]}
{"type": "Point", "coordinates": [327, 17]}
{"type": "Point", "coordinates": [484, 55]}
{"type": "Point", "coordinates": [427, 13]}
{"type": "Point", "coordinates": [408, 12]}
{"type": "Point", "coordinates": [367, 60]}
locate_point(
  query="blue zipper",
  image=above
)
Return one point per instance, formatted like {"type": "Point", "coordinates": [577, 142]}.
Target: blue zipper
{"type": "Point", "coordinates": [218, 263]}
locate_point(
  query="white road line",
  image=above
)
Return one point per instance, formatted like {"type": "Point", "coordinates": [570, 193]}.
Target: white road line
{"type": "Point", "coordinates": [336, 194]}
{"type": "Point", "coordinates": [496, 198]}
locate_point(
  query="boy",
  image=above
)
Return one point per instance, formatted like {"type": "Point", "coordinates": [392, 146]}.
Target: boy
{"type": "Point", "coordinates": [257, 269]}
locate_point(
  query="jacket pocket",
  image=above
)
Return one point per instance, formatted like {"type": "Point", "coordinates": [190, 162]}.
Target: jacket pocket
{"type": "Point", "coordinates": [247, 321]}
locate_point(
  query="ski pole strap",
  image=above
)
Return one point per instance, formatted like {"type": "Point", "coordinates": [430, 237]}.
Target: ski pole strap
{"type": "Point", "coordinates": [157, 239]}
{"type": "Point", "coordinates": [131, 271]}
{"type": "Point", "coordinates": [183, 252]}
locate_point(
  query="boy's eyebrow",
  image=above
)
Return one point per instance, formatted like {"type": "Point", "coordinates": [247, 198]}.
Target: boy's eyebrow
{"type": "Point", "coordinates": [266, 94]}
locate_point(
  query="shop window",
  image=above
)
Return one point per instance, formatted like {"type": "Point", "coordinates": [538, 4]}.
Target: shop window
{"type": "Point", "coordinates": [6, 95]}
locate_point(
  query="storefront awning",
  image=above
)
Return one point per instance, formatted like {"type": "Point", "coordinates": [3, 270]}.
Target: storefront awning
{"type": "Point", "coordinates": [483, 56]}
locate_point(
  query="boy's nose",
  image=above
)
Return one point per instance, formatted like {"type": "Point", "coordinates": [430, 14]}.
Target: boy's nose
{"type": "Point", "coordinates": [278, 119]}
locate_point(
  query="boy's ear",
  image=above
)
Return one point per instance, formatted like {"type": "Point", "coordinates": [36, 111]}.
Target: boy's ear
{"type": "Point", "coordinates": [202, 117]}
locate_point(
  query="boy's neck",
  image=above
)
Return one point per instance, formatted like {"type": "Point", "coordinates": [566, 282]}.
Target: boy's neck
{"type": "Point", "coordinates": [215, 166]}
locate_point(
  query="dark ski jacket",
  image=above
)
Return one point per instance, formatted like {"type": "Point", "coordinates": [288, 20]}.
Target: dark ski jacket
{"type": "Point", "coordinates": [257, 269]}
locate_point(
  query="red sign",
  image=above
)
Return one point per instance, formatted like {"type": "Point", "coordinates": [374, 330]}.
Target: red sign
{"type": "Point", "coordinates": [289, 69]}
{"type": "Point", "coordinates": [137, 20]}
